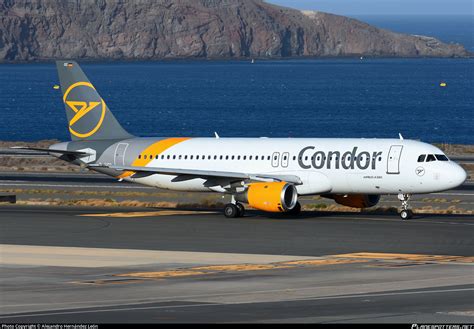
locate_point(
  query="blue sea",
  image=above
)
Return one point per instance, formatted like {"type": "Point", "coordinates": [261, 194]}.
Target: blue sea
{"type": "Point", "coordinates": [291, 98]}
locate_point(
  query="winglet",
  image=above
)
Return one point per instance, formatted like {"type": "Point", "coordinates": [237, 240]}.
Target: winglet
{"type": "Point", "coordinates": [217, 136]}
{"type": "Point", "coordinates": [400, 135]}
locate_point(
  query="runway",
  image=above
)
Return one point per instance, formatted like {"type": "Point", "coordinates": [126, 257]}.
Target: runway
{"type": "Point", "coordinates": [153, 265]}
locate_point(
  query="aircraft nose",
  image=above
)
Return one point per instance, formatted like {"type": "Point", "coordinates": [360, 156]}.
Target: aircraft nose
{"type": "Point", "coordinates": [457, 175]}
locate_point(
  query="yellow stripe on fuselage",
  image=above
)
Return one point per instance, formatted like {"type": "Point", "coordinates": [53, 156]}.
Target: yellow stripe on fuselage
{"type": "Point", "coordinates": [154, 149]}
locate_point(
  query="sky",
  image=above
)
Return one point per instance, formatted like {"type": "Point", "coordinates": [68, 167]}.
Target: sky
{"type": "Point", "coordinates": [383, 7]}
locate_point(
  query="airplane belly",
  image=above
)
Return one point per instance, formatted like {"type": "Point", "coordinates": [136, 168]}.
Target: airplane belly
{"type": "Point", "coordinates": [175, 183]}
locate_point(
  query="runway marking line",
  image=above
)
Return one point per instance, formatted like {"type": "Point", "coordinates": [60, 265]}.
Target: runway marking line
{"type": "Point", "coordinates": [147, 213]}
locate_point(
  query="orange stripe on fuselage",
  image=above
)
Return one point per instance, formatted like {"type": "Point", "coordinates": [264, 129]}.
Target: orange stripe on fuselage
{"type": "Point", "coordinates": [154, 149]}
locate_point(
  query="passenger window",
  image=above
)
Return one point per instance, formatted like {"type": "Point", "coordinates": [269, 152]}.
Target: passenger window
{"type": "Point", "coordinates": [168, 157]}
{"type": "Point", "coordinates": [144, 157]}
{"type": "Point", "coordinates": [139, 156]}
{"type": "Point", "coordinates": [174, 157]}
{"type": "Point", "coordinates": [268, 158]}
{"type": "Point", "coordinates": [294, 158]}
{"type": "Point", "coordinates": [430, 158]}
{"type": "Point", "coordinates": [238, 157]}
{"type": "Point", "coordinates": [442, 157]}
{"type": "Point", "coordinates": [421, 158]}
{"type": "Point", "coordinates": [256, 157]}
{"type": "Point", "coordinates": [250, 157]}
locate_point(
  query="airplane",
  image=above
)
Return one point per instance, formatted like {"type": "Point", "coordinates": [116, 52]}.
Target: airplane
{"type": "Point", "coordinates": [268, 174]}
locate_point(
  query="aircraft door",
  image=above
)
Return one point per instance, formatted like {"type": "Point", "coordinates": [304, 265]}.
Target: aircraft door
{"type": "Point", "coordinates": [275, 159]}
{"type": "Point", "coordinates": [393, 161]}
{"type": "Point", "coordinates": [119, 159]}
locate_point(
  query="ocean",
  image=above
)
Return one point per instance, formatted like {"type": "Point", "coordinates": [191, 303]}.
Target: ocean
{"type": "Point", "coordinates": [368, 98]}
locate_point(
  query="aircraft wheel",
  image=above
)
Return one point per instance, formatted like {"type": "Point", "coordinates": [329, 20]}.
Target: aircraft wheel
{"type": "Point", "coordinates": [231, 211]}
{"type": "Point", "coordinates": [406, 214]}
{"type": "Point", "coordinates": [241, 209]}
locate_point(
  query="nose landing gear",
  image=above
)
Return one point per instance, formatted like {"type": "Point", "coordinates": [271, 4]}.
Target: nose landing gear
{"type": "Point", "coordinates": [405, 213]}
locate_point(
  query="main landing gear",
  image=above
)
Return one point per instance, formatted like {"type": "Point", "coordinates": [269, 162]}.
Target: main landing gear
{"type": "Point", "coordinates": [234, 210]}
{"type": "Point", "coordinates": [405, 213]}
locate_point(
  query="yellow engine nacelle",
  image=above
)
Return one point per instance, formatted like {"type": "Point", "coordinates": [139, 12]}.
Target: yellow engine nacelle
{"type": "Point", "coordinates": [355, 200]}
{"type": "Point", "coordinates": [271, 197]}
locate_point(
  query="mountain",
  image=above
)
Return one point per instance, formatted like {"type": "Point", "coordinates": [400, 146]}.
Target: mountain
{"type": "Point", "coordinates": [157, 29]}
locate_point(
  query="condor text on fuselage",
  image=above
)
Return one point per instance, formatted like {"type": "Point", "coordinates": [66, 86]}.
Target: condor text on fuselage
{"type": "Point", "coordinates": [309, 158]}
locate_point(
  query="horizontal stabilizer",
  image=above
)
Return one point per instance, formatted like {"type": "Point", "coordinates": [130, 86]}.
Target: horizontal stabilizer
{"type": "Point", "coordinates": [76, 153]}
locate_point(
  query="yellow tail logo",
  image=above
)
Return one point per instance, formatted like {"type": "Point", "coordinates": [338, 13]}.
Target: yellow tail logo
{"type": "Point", "coordinates": [81, 108]}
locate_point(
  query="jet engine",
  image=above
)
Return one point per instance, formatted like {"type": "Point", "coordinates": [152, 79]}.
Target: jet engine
{"type": "Point", "coordinates": [355, 200]}
{"type": "Point", "coordinates": [271, 197]}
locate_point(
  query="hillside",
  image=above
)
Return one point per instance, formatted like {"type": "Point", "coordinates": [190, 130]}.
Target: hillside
{"type": "Point", "coordinates": [146, 29]}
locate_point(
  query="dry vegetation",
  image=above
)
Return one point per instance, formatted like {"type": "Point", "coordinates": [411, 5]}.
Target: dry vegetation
{"type": "Point", "coordinates": [203, 204]}
{"type": "Point", "coordinates": [456, 149]}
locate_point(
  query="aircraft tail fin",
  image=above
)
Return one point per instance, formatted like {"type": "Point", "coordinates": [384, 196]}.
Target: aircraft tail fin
{"type": "Point", "coordinates": [88, 116]}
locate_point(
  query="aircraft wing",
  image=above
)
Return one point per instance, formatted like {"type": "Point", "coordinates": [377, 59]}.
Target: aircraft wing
{"type": "Point", "coordinates": [207, 173]}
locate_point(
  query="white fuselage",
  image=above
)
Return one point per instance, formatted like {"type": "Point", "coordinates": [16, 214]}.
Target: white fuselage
{"type": "Point", "coordinates": [336, 166]}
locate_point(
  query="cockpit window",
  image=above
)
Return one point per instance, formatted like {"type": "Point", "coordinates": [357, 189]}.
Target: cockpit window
{"type": "Point", "coordinates": [421, 158]}
{"type": "Point", "coordinates": [430, 158]}
{"type": "Point", "coordinates": [442, 157]}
